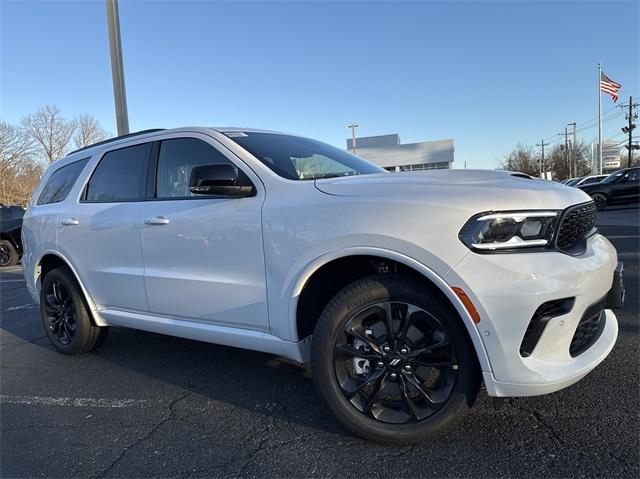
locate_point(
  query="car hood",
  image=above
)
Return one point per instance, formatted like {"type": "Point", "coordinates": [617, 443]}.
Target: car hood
{"type": "Point", "coordinates": [478, 189]}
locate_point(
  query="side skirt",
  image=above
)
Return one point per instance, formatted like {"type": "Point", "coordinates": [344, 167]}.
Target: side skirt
{"type": "Point", "coordinates": [235, 337]}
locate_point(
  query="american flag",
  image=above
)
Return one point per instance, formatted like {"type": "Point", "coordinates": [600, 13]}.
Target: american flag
{"type": "Point", "coordinates": [607, 85]}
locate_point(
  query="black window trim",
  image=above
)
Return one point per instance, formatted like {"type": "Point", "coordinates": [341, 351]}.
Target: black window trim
{"type": "Point", "coordinates": [83, 196]}
{"type": "Point", "coordinates": [86, 159]}
{"type": "Point", "coordinates": [152, 178]}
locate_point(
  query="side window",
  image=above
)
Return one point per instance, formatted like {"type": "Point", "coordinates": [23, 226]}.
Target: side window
{"type": "Point", "coordinates": [5, 214]}
{"type": "Point", "coordinates": [176, 159]}
{"type": "Point", "coordinates": [634, 175]}
{"type": "Point", "coordinates": [121, 175]}
{"type": "Point", "coordinates": [60, 182]}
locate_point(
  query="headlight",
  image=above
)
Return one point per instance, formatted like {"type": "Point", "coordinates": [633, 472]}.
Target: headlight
{"type": "Point", "coordinates": [509, 230]}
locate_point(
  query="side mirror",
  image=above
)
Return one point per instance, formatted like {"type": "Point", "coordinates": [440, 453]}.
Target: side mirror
{"type": "Point", "coordinates": [220, 180]}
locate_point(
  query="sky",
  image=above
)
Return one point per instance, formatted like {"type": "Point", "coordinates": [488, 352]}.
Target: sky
{"type": "Point", "coordinates": [487, 74]}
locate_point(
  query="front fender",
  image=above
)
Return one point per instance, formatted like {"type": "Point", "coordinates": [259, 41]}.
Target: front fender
{"type": "Point", "coordinates": [296, 286]}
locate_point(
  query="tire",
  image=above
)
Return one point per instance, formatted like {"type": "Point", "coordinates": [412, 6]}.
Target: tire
{"type": "Point", "coordinates": [8, 254]}
{"type": "Point", "coordinates": [381, 409]}
{"type": "Point", "coordinates": [65, 316]}
{"type": "Point", "coordinates": [600, 201]}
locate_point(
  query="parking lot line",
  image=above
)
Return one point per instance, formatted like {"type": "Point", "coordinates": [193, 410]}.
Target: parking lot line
{"type": "Point", "coordinates": [73, 402]}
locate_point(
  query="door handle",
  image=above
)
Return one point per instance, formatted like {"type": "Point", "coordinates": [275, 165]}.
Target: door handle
{"type": "Point", "coordinates": [70, 222]}
{"type": "Point", "coordinates": [157, 220]}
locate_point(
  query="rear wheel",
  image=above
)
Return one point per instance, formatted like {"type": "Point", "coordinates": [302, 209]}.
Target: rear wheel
{"type": "Point", "coordinates": [8, 254]}
{"type": "Point", "coordinates": [600, 201]}
{"type": "Point", "coordinates": [65, 315]}
{"type": "Point", "coordinates": [393, 362]}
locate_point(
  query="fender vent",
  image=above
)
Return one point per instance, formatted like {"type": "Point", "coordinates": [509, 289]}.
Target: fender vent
{"type": "Point", "coordinates": [588, 330]}
{"type": "Point", "coordinates": [539, 321]}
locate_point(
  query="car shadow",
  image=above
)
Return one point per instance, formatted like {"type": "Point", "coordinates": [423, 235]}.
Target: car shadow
{"type": "Point", "coordinates": [251, 380]}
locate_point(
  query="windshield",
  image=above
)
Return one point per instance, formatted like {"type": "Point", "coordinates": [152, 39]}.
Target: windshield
{"type": "Point", "coordinates": [573, 181]}
{"type": "Point", "coordinates": [613, 177]}
{"type": "Point", "coordinates": [297, 158]}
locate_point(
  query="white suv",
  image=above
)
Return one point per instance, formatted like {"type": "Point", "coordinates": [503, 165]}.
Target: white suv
{"type": "Point", "coordinates": [403, 290]}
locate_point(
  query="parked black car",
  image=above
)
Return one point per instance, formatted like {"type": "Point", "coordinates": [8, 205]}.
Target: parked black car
{"type": "Point", "coordinates": [620, 187]}
{"type": "Point", "coordinates": [10, 230]}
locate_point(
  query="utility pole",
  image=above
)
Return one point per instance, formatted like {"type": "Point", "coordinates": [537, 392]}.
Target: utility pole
{"type": "Point", "coordinates": [542, 144]}
{"type": "Point", "coordinates": [117, 68]}
{"type": "Point", "coordinates": [630, 146]}
{"type": "Point", "coordinates": [353, 127]}
{"type": "Point", "coordinates": [573, 159]}
{"type": "Point", "coordinates": [566, 149]}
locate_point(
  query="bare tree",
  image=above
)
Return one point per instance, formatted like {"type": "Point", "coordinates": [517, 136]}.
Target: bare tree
{"type": "Point", "coordinates": [88, 131]}
{"type": "Point", "coordinates": [522, 159]}
{"type": "Point", "coordinates": [15, 146]}
{"type": "Point", "coordinates": [559, 162]}
{"type": "Point", "coordinates": [51, 131]}
{"type": "Point", "coordinates": [16, 152]}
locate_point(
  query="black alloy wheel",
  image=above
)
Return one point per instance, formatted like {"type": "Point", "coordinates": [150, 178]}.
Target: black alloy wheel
{"type": "Point", "coordinates": [60, 311]}
{"type": "Point", "coordinates": [395, 362]}
{"type": "Point", "coordinates": [8, 254]}
{"type": "Point", "coordinates": [65, 315]}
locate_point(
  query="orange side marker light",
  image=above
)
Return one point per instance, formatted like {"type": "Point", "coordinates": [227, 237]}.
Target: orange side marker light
{"type": "Point", "coordinates": [471, 309]}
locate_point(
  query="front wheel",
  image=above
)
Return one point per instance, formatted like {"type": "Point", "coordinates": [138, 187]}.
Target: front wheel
{"type": "Point", "coordinates": [600, 201]}
{"type": "Point", "coordinates": [393, 361]}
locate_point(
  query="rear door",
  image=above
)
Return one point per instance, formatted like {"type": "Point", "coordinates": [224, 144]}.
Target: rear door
{"type": "Point", "coordinates": [204, 257]}
{"type": "Point", "coordinates": [99, 231]}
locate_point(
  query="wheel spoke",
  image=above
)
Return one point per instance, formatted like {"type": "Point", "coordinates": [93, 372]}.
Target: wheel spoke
{"type": "Point", "coordinates": [57, 294]}
{"type": "Point", "coordinates": [388, 322]}
{"type": "Point", "coordinates": [405, 394]}
{"type": "Point", "coordinates": [375, 396]}
{"type": "Point", "coordinates": [349, 350]}
{"type": "Point", "coordinates": [355, 334]}
{"type": "Point", "coordinates": [430, 349]}
{"type": "Point", "coordinates": [365, 382]}
{"type": "Point", "coordinates": [416, 384]}
{"type": "Point", "coordinates": [438, 364]}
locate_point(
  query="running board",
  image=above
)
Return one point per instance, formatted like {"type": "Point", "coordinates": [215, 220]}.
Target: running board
{"type": "Point", "coordinates": [235, 337]}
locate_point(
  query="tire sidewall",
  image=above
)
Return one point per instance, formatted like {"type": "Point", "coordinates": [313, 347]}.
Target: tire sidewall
{"type": "Point", "coordinates": [367, 292]}
{"type": "Point", "coordinates": [83, 322]}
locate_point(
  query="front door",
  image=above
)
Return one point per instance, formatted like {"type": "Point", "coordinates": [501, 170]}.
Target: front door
{"type": "Point", "coordinates": [203, 255]}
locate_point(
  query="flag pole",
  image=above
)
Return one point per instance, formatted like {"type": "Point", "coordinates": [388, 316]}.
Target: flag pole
{"type": "Point", "coordinates": [599, 119]}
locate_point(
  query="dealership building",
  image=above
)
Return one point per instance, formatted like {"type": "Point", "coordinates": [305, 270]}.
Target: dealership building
{"type": "Point", "coordinates": [388, 152]}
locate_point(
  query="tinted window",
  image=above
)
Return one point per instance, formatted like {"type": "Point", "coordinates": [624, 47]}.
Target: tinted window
{"type": "Point", "coordinates": [176, 159]}
{"type": "Point", "coordinates": [5, 214]}
{"type": "Point", "coordinates": [634, 175]}
{"type": "Point", "coordinates": [121, 175]}
{"type": "Point", "coordinates": [60, 182]}
{"type": "Point", "coordinates": [298, 158]}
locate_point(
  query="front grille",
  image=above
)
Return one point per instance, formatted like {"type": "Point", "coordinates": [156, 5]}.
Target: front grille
{"type": "Point", "coordinates": [588, 330]}
{"type": "Point", "coordinates": [539, 321]}
{"type": "Point", "coordinates": [576, 222]}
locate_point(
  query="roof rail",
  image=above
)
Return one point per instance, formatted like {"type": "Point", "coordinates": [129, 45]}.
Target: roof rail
{"type": "Point", "coordinates": [116, 138]}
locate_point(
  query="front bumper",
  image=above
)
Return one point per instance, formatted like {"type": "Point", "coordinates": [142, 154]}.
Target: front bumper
{"type": "Point", "coordinates": [507, 289]}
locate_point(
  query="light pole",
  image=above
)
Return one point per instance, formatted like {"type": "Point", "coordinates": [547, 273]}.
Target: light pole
{"type": "Point", "coordinates": [353, 137]}
{"type": "Point", "coordinates": [117, 68]}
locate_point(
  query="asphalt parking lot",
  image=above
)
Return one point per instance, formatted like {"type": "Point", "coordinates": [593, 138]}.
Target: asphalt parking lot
{"type": "Point", "coordinates": [150, 405]}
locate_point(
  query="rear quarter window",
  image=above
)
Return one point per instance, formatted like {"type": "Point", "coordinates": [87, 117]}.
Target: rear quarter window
{"type": "Point", "coordinates": [60, 182]}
